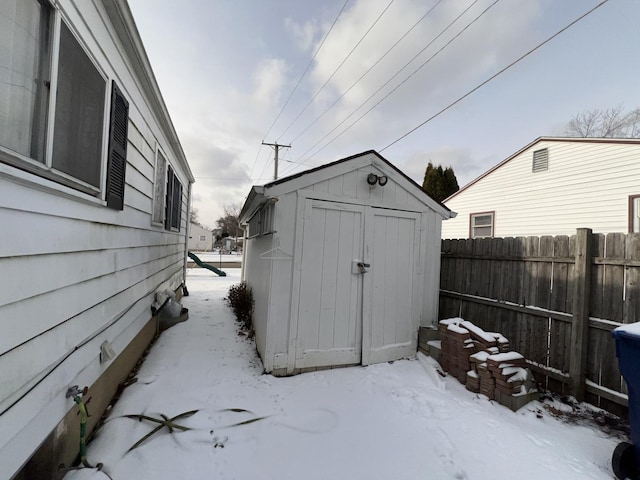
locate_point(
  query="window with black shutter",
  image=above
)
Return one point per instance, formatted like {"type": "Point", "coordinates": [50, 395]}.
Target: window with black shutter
{"type": "Point", "coordinates": [173, 203]}
{"type": "Point", "coordinates": [117, 162]}
{"type": "Point", "coordinates": [52, 112]}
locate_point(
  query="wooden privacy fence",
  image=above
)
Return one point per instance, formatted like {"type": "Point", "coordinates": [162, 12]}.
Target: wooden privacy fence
{"type": "Point", "coordinates": [556, 299]}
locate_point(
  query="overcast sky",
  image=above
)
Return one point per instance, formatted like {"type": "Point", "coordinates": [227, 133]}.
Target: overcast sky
{"type": "Point", "coordinates": [227, 67]}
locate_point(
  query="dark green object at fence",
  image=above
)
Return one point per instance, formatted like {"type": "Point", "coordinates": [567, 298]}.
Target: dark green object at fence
{"type": "Point", "coordinates": [201, 264]}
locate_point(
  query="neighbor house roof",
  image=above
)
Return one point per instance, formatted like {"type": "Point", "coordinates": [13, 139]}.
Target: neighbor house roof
{"type": "Point", "coordinates": [545, 139]}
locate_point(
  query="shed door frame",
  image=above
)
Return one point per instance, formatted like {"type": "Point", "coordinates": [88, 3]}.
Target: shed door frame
{"type": "Point", "coordinates": [368, 355]}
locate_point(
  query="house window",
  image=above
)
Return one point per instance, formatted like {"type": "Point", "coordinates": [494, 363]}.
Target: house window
{"type": "Point", "coordinates": [53, 125]}
{"type": "Point", "coordinates": [266, 219]}
{"type": "Point", "coordinates": [634, 213]}
{"type": "Point", "coordinates": [540, 160]}
{"type": "Point", "coordinates": [173, 202]}
{"type": "Point", "coordinates": [481, 224]}
{"type": "Point", "coordinates": [159, 186]}
{"type": "Point", "coordinates": [25, 34]}
{"type": "Point", "coordinates": [262, 221]}
{"type": "Point", "coordinates": [203, 238]}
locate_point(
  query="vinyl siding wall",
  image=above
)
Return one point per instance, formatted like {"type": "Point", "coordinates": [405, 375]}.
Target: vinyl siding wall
{"type": "Point", "coordinates": [74, 272]}
{"type": "Point", "coordinates": [586, 185]}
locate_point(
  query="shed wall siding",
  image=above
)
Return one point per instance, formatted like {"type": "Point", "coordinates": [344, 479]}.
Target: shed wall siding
{"type": "Point", "coordinates": [257, 273]}
{"type": "Point", "coordinates": [73, 269]}
{"type": "Point", "coordinates": [586, 185]}
{"type": "Point", "coordinates": [353, 186]}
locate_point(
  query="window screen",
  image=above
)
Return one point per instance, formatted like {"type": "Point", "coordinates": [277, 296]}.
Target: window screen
{"type": "Point", "coordinates": [77, 138]}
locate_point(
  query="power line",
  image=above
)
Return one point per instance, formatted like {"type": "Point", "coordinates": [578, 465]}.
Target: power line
{"type": "Point", "coordinates": [337, 68]}
{"type": "Point", "coordinates": [367, 71]}
{"type": "Point", "coordinates": [300, 80]}
{"type": "Point", "coordinates": [307, 68]}
{"type": "Point", "coordinates": [393, 77]}
{"type": "Point", "coordinates": [496, 74]}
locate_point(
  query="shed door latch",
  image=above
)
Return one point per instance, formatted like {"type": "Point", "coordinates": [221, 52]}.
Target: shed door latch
{"type": "Point", "coordinates": [363, 267]}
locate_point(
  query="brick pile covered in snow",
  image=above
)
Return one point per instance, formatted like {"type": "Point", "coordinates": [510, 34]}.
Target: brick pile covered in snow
{"type": "Point", "coordinates": [482, 361]}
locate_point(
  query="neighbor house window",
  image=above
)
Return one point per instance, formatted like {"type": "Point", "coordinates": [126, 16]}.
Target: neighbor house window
{"type": "Point", "coordinates": [53, 125]}
{"type": "Point", "coordinates": [634, 213]}
{"type": "Point", "coordinates": [203, 238]}
{"type": "Point", "coordinates": [481, 224]}
{"type": "Point", "coordinates": [540, 160]}
{"type": "Point", "coordinates": [173, 202]}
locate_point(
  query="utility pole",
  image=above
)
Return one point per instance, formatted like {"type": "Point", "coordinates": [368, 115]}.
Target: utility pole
{"type": "Point", "coordinates": [276, 147]}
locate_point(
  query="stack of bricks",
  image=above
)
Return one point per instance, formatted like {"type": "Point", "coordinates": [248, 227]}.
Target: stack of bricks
{"type": "Point", "coordinates": [481, 360]}
{"type": "Point", "coordinates": [458, 339]}
{"type": "Point", "coordinates": [449, 353]}
{"type": "Point", "coordinates": [509, 371]}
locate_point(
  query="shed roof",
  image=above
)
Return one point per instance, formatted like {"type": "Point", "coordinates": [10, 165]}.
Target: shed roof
{"type": "Point", "coordinates": [620, 141]}
{"type": "Point", "coordinates": [258, 194]}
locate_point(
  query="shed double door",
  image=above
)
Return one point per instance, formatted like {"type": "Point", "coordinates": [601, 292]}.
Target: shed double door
{"type": "Point", "coordinates": [351, 314]}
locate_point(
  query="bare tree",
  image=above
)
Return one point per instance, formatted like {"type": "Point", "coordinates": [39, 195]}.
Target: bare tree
{"type": "Point", "coordinates": [612, 122]}
{"type": "Point", "coordinates": [230, 222]}
{"type": "Point", "coordinates": [193, 216]}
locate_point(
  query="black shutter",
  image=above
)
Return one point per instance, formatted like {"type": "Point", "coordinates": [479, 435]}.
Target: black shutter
{"type": "Point", "coordinates": [177, 203]}
{"type": "Point", "coordinates": [117, 163]}
{"type": "Point", "coordinates": [168, 204]}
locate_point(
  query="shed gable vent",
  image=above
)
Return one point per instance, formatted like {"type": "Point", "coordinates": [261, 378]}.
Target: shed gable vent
{"type": "Point", "coordinates": [540, 160]}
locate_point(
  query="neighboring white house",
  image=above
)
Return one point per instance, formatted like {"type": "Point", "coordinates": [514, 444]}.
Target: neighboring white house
{"type": "Point", "coordinates": [200, 239]}
{"type": "Point", "coordinates": [344, 264]}
{"type": "Point", "coordinates": [94, 195]}
{"type": "Point", "coordinates": [552, 187]}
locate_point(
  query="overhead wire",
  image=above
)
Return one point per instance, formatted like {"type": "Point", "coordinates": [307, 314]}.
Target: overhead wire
{"type": "Point", "coordinates": [338, 68]}
{"type": "Point", "coordinates": [299, 80]}
{"type": "Point", "coordinates": [367, 71]}
{"type": "Point", "coordinates": [500, 72]}
{"type": "Point", "coordinates": [442, 32]}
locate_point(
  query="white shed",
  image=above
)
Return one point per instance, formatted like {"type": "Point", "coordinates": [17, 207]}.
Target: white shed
{"type": "Point", "coordinates": [344, 264]}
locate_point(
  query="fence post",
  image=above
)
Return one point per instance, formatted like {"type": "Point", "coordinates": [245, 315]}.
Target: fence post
{"type": "Point", "coordinates": [580, 322]}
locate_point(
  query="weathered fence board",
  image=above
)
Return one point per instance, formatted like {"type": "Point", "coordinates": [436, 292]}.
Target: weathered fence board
{"type": "Point", "coordinates": [525, 288]}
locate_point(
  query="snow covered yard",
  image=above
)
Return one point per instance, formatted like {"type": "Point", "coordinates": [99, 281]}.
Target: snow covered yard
{"type": "Point", "coordinates": [397, 420]}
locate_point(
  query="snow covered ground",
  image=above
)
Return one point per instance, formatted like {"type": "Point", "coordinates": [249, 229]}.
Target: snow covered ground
{"type": "Point", "coordinates": [397, 420]}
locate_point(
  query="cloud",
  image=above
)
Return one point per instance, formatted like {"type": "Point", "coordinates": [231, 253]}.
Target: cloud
{"type": "Point", "coordinates": [269, 78]}
{"type": "Point", "coordinates": [304, 35]}
{"type": "Point", "coordinates": [484, 47]}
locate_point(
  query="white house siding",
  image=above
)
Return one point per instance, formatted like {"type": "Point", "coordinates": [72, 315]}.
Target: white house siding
{"type": "Point", "coordinates": [197, 245]}
{"type": "Point", "coordinates": [74, 272]}
{"type": "Point", "coordinates": [587, 184]}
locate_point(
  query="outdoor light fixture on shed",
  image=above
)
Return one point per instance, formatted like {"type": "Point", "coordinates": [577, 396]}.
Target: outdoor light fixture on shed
{"type": "Point", "coordinates": [372, 179]}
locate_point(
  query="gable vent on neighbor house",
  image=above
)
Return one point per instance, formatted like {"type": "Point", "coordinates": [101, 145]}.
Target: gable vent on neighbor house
{"type": "Point", "coordinates": [540, 160]}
